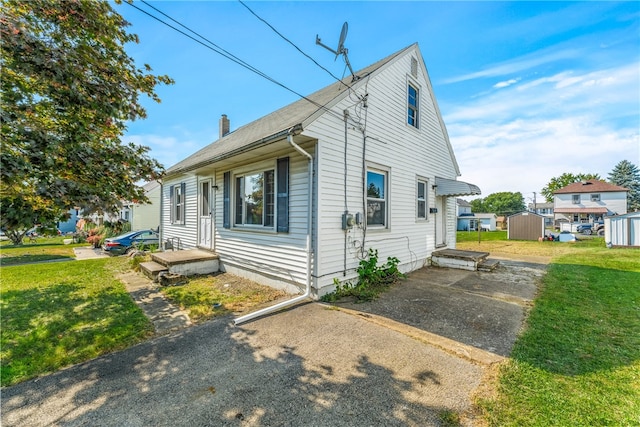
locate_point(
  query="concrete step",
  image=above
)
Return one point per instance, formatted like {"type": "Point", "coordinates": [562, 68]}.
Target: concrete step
{"type": "Point", "coordinates": [152, 269]}
{"type": "Point", "coordinates": [488, 265]}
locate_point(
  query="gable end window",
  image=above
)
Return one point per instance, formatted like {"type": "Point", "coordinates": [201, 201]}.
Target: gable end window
{"type": "Point", "coordinates": [575, 199]}
{"type": "Point", "coordinates": [177, 203]}
{"type": "Point", "coordinates": [595, 197]}
{"type": "Point", "coordinates": [421, 200]}
{"type": "Point", "coordinates": [377, 198]}
{"type": "Point", "coordinates": [412, 105]}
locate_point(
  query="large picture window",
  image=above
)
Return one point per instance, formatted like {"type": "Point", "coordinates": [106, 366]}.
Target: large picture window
{"type": "Point", "coordinates": [258, 198]}
{"type": "Point", "coordinates": [255, 199]}
{"type": "Point", "coordinates": [377, 198]}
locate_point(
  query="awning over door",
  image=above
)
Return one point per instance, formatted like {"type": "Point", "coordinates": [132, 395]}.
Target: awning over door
{"type": "Point", "coordinates": [451, 187]}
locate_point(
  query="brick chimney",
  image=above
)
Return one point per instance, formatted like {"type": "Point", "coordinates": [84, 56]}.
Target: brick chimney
{"type": "Point", "coordinates": [224, 125]}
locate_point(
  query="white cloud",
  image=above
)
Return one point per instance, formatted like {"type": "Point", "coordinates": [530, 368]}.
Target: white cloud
{"type": "Point", "coordinates": [168, 150]}
{"type": "Point", "coordinates": [518, 138]}
{"type": "Point", "coordinates": [506, 83]}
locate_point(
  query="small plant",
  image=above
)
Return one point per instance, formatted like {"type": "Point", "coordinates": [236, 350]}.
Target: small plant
{"type": "Point", "coordinates": [372, 279]}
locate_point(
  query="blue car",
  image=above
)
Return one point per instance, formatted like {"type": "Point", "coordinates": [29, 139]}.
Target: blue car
{"type": "Point", "coordinates": [133, 240]}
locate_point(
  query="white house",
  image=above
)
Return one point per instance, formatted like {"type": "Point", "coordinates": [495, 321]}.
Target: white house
{"type": "Point", "coordinates": [147, 216]}
{"type": "Point", "coordinates": [298, 197]}
{"type": "Point", "coordinates": [466, 221]}
{"type": "Point", "coordinates": [589, 201]}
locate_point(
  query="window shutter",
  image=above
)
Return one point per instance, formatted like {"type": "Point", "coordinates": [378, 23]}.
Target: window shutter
{"type": "Point", "coordinates": [171, 204]}
{"type": "Point", "coordinates": [283, 195]}
{"type": "Point", "coordinates": [226, 202]}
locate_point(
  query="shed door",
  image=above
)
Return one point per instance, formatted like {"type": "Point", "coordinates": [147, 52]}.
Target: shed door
{"type": "Point", "coordinates": [205, 216]}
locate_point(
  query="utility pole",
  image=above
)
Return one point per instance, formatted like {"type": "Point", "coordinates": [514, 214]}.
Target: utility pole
{"type": "Point", "coordinates": [534, 202]}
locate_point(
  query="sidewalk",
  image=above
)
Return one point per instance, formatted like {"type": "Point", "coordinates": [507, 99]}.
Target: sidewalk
{"type": "Point", "coordinates": [165, 316]}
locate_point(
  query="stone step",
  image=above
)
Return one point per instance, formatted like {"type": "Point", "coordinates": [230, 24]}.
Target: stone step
{"type": "Point", "coordinates": [152, 269]}
{"type": "Point", "coordinates": [488, 265]}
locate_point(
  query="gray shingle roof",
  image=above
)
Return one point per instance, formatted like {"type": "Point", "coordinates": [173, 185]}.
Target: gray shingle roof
{"type": "Point", "coordinates": [275, 125]}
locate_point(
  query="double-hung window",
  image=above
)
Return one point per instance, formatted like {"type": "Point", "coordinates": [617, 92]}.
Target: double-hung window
{"type": "Point", "coordinates": [575, 199]}
{"type": "Point", "coordinates": [421, 199]}
{"type": "Point", "coordinates": [412, 105]}
{"type": "Point", "coordinates": [377, 198]}
{"type": "Point", "coordinates": [255, 198]}
{"type": "Point", "coordinates": [177, 203]}
{"type": "Point", "coordinates": [595, 197]}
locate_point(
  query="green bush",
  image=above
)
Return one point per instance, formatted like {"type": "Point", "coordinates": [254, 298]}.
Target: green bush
{"type": "Point", "coordinates": [372, 279]}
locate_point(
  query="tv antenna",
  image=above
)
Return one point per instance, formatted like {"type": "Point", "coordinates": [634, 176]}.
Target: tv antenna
{"type": "Point", "coordinates": [341, 50]}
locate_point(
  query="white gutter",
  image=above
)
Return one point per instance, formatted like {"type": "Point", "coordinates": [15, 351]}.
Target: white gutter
{"type": "Point", "coordinates": [307, 292]}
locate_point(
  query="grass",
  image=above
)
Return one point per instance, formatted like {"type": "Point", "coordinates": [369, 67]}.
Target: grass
{"type": "Point", "coordinates": [45, 249]}
{"type": "Point", "coordinates": [228, 293]}
{"type": "Point", "coordinates": [577, 362]}
{"type": "Point", "coordinates": [55, 315]}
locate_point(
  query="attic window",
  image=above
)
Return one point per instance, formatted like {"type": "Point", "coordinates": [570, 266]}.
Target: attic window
{"type": "Point", "coordinates": [412, 105]}
{"type": "Point", "coordinates": [414, 67]}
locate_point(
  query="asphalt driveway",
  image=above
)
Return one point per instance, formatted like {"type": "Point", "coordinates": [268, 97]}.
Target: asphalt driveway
{"type": "Point", "coordinates": [313, 365]}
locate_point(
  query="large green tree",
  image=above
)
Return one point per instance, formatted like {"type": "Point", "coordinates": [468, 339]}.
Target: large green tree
{"type": "Point", "coordinates": [563, 180]}
{"type": "Point", "coordinates": [627, 175]}
{"type": "Point", "coordinates": [504, 203]}
{"type": "Point", "coordinates": [68, 90]}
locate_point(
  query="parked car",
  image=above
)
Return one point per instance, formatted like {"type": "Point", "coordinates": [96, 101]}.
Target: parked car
{"type": "Point", "coordinates": [589, 228]}
{"type": "Point", "coordinates": [142, 239]}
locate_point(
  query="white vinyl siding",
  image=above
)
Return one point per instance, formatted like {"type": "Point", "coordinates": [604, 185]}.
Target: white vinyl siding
{"type": "Point", "coordinates": [407, 153]}
{"type": "Point", "coordinates": [277, 256]}
{"type": "Point", "coordinates": [186, 231]}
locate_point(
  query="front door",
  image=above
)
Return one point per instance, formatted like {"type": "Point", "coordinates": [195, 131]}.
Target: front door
{"type": "Point", "coordinates": [205, 216]}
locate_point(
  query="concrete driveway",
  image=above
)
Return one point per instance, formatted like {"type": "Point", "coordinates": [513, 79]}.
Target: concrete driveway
{"type": "Point", "coordinates": [313, 365]}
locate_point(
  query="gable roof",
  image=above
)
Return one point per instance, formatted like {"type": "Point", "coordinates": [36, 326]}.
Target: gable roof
{"type": "Point", "coordinates": [297, 116]}
{"type": "Point", "coordinates": [590, 186]}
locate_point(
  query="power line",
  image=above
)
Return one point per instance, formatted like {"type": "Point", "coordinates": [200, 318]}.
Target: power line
{"type": "Point", "coordinates": [217, 49]}
{"type": "Point", "coordinates": [291, 43]}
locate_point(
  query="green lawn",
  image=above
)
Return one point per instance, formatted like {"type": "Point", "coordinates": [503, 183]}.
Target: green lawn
{"type": "Point", "coordinates": [577, 363]}
{"type": "Point", "coordinates": [45, 249]}
{"type": "Point", "coordinates": [58, 314]}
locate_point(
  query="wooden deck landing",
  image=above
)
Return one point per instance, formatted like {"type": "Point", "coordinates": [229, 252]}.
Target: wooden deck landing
{"type": "Point", "coordinates": [170, 258]}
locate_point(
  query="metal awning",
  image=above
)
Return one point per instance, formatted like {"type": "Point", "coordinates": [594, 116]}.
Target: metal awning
{"type": "Point", "coordinates": [451, 187]}
{"type": "Point", "coordinates": [595, 210]}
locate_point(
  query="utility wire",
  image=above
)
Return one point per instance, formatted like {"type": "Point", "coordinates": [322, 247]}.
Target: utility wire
{"type": "Point", "coordinates": [291, 43]}
{"type": "Point", "coordinates": [226, 54]}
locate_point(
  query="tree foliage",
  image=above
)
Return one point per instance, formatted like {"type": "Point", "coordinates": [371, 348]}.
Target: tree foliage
{"type": "Point", "coordinates": [563, 180]}
{"type": "Point", "coordinates": [504, 203]}
{"type": "Point", "coordinates": [627, 175]}
{"type": "Point", "coordinates": [68, 90]}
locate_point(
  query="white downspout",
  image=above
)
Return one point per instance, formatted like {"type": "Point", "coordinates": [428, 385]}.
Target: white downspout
{"type": "Point", "coordinates": [307, 292]}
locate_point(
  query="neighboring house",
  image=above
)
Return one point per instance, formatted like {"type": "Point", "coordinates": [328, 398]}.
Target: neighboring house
{"type": "Point", "coordinates": [69, 226]}
{"type": "Point", "coordinates": [589, 201]}
{"type": "Point", "coordinates": [147, 216]}
{"type": "Point", "coordinates": [501, 222]}
{"type": "Point", "coordinates": [465, 220]}
{"type": "Point", "coordinates": [487, 221]}
{"type": "Point", "coordinates": [545, 210]}
{"type": "Point", "coordinates": [299, 196]}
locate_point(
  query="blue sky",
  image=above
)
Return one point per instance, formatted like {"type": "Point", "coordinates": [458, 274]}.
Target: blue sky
{"type": "Point", "coordinates": [527, 90]}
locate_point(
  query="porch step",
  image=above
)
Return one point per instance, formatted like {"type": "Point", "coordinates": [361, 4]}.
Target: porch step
{"type": "Point", "coordinates": [463, 260]}
{"type": "Point", "coordinates": [188, 262]}
{"type": "Point", "coordinates": [152, 269]}
{"type": "Point", "coordinates": [488, 265]}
